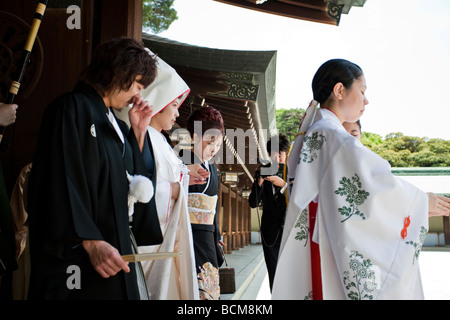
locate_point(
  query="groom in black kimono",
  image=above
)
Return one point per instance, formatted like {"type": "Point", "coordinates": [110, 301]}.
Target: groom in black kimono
{"type": "Point", "coordinates": [78, 188]}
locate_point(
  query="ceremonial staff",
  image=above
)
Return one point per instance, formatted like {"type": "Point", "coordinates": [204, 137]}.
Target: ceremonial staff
{"type": "Point", "coordinates": [15, 85]}
{"type": "Point", "coordinates": [150, 256]}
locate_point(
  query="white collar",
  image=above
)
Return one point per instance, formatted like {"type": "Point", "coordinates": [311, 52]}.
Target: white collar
{"type": "Point", "coordinates": [327, 114]}
{"type": "Point", "coordinates": [113, 121]}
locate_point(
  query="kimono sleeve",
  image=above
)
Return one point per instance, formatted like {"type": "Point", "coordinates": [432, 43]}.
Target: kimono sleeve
{"type": "Point", "coordinates": [256, 195]}
{"type": "Point", "coordinates": [362, 212]}
{"type": "Point", "coordinates": [61, 202]}
{"type": "Point", "coordinates": [318, 147]}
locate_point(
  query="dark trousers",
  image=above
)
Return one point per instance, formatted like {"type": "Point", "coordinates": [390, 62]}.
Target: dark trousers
{"type": "Point", "coordinates": [271, 252]}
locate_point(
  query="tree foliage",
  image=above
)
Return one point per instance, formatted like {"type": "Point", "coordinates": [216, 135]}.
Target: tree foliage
{"type": "Point", "coordinates": [409, 151]}
{"type": "Point", "coordinates": [288, 121]}
{"type": "Point", "coordinates": [399, 150]}
{"type": "Point", "coordinates": [158, 15]}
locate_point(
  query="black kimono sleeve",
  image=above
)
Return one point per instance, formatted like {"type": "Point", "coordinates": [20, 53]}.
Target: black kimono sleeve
{"type": "Point", "coordinates": [255, 197]}
{"type": "Point", "coordinates": [60, 182]}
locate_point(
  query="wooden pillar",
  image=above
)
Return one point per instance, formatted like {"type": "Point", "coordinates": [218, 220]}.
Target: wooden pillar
{"type": "Point", "coordinates": [245, 221]}
{"type": "Point", "coordinates": [134, 26]}
{"type": "Point", "coordinates": [227, 230]}
{"type": "Point", "coordinates": [241, 223]}
{"type": "Point", "coordinates": [220, 208]}
{"type": "Point", "coordinates": [123, 18]}
{"type": "Point", "coordinates": [235, 218]}
{"type": "Point", "coordinates": [446, 231]}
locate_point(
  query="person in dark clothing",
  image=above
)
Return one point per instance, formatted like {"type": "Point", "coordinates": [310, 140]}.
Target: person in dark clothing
{"type": "Point", "coordinates": [269, 188]}
{"type": "Point", "coordinates": [7, 245]}
{"type": "Point", "coordinates": [78, 186]}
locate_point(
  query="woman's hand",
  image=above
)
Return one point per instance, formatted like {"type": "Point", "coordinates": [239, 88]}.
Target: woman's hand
{"type": "Point", "coordinates": [175, 187]}
{"type": "Point", "coordinates": [197, 174]}
{"type": "Point", "coordinates": [438, 205]}
{"type": "Point", "coordinates": [105, 259]}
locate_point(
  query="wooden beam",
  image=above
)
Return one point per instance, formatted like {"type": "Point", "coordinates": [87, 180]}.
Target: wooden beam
{"type": "Point", "coordinates": [285, 10]}
{"type": "Point", "coordinates": [312, 4]}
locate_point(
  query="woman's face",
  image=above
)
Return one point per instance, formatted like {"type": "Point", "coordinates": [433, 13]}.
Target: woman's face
{"type": "Point", "coordinates": [210, 144]}
{"type": "Point", "coordinates": [165, 119]}
{"type": "Point", "coordinates": [354, 101]}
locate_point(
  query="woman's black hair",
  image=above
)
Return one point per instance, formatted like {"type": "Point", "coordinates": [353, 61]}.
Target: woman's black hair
{"type": "Point", "coordinates": [332, 72]}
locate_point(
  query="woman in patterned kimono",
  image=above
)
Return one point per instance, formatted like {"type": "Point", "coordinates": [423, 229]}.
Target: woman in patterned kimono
{"type": "Point", "coordinates": [206, 128]}
{"type": "Point", "coordinates": [353, 230]}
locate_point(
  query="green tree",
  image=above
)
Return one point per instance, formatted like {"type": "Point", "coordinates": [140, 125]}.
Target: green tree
{"type": "Point", "coordinates": [288, 121]}
{"type": "Point", "coordinates": [410, 151]}
{"type": "Point", "coordinates": [398, 149]}
{"type": "Point", "coordinates": [371, 140]}
{"type": "Point", "coordinates": [158, 15]}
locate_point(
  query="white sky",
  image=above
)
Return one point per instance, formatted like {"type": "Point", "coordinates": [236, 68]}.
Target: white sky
{"type": "Point", "coordinates": [403, 47]}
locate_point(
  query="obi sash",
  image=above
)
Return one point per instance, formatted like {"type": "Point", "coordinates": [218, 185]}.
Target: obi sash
{"type": "Point", "coordinates": [202, 208]}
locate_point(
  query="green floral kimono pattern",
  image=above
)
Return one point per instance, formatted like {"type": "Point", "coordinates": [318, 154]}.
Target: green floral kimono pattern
{"type": "Point", "coordinates": [361, 212]}
{"type": "Point", "coordinates": [303, 225]}
{"type": "Point", "coordinates": [312, 144]}
{"type": "Point", "coordinates": [360, 280]}
{"type": "Point", "coordinates": [356, 196]}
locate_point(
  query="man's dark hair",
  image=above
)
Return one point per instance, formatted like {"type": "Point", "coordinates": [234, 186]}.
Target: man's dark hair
{"type": "Point", "coordinates": [116, 64]}
{"type": "Point", "coordinates": [283, 143]}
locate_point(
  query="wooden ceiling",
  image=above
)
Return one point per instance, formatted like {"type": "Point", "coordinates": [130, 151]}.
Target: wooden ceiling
{"type": "Point", "coordinates": [237, 83]}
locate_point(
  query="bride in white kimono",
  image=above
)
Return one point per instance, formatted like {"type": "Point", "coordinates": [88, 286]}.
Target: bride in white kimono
{"type": "Point", "coordinates": [353, 230]}
{"type": "Point", "coordinates": [173, 278]}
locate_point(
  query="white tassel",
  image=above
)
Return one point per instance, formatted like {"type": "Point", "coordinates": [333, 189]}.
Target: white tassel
{"type": "Point", "coordinates": [141, 190]}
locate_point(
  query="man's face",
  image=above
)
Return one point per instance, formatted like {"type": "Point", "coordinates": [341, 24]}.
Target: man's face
{"type": "Point", "coordinates": [278, 157]}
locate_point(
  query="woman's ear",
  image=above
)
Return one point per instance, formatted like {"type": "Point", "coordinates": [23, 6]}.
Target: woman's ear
{"type": "Point", "coordinates": [339, 90]}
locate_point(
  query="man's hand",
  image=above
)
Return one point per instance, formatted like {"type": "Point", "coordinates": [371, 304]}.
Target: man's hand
{"type": "Point", "coordinates": [7, 114]}
{"type": "Point", "coordinates": [140, 116]}
{"type": "Point", "coordinates": [105, 259]}
{"type": "Point", "coordinates": [276, 181]}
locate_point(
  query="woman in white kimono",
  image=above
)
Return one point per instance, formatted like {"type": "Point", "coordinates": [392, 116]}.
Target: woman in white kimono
{"type": "Point", "coordinates": [173, 278]}
{"type": "Point", "coordinates": [353, 230]}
